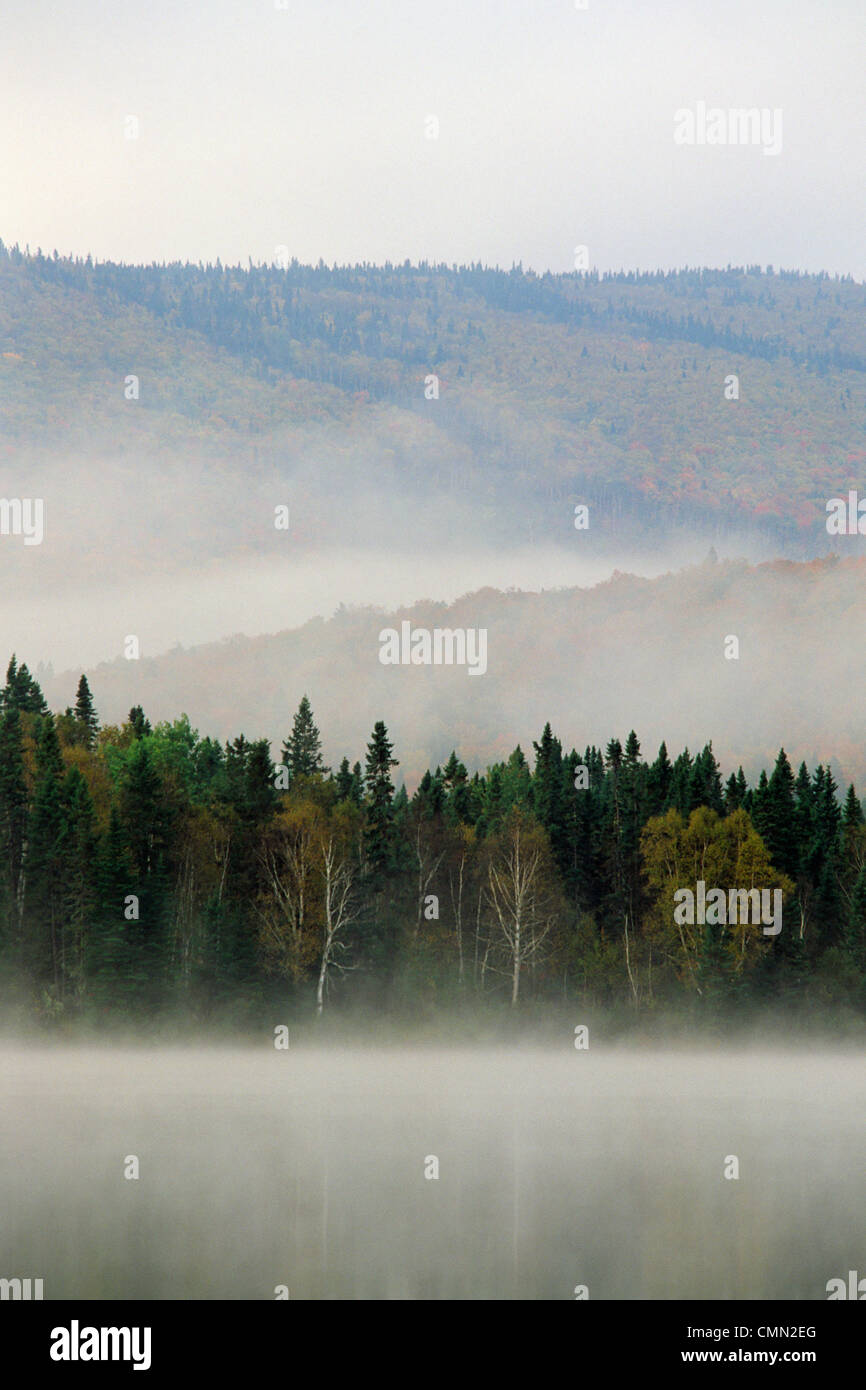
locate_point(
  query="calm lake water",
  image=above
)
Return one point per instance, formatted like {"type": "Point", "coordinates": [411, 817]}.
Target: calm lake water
{"type": "Point", "coordinates": [556, 1168]}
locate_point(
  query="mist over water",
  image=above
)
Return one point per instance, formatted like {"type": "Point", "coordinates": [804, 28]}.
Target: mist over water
{"type": "Point", "coordinates": [306, 1168]}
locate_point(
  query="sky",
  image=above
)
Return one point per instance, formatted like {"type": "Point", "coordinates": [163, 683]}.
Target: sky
{"type": "Point", "coordinates": [257, 128]}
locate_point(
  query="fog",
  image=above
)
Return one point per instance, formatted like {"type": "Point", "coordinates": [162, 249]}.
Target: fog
{"type": "Point", "coordinates": [194, 556]}
{"type": "Point", "coordinates": [306, 1168]}
{"type": "Point", "coordinates": [191, 606]}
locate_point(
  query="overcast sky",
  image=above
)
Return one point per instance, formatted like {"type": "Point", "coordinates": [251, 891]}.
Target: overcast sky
{"type": "Point", "coordinates": [306, 127]}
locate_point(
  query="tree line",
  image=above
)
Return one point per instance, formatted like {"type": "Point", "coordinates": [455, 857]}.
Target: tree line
{"type": "Point", "coordinates": [146, 869]}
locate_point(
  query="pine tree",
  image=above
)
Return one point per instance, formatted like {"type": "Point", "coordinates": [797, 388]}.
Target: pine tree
{"type": "Point", "coordinates": [146, 818]}
{"type": "Point", "coordinates": [516, 781]}
{"type": "Point", "coordinates": [706, 783]}
{"type": "Point", "coordinates": [140, 726]}
{"type": "Point", "coordinates": [658, 782]}
{"type": "Point", "coordinates": [852, 815]}
{"type": "Point", "coordinates": [493, 810]}
{"type": "Point", "coordinates": [44, 945]}
{"type": "Point", "coordinates": [455, 780]}
{"type": "Point", "coordinates": [547, 789]}
{"type": "Point", "coordinates": [85, 714]}
{"type": "Point", "coordinates": [680, 789]}
{"type": "Point", "coordinates": [379, 828]}
{"type": "Point", "coordinates": [13, 822]}
{"type": "Point", "coordinates": [736, 791]}
{"type": "Point", "coordinates": [79, 877]}
{"type": "Point", "coordinates": [357, 794]}
{"type": "Point", "coordinates": [260, 797]}
{"type": "Point", "coordinates": [774, 817]}
{"type": "Point", "coordinates": [302, 751]}
{"type": "Point", "coordinates": [343, 780]}
{"type": "Point", "coordinates": [429, 800]}
{"type": "Point", "coordinates": [21, 691]}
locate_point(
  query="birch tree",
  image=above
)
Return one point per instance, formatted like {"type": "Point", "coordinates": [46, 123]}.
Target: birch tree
{"type": "Point", "coordinates": [340, 909]}
{"type": "Point", "coordinates": [522, 908]}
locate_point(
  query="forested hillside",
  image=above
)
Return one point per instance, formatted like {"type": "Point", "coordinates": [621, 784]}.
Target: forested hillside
{"type": "Point", "coordinates": [147, 868]}
{"type": "Point", "coordinates": [552, 389]}
{"type": "Point", "coordinates": [631, 651]}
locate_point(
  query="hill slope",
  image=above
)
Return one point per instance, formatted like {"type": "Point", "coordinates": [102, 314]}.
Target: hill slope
{"type": "Point", "coordinates": [552, 390]}
{"type": "Point", "coordinates": [628, 653]}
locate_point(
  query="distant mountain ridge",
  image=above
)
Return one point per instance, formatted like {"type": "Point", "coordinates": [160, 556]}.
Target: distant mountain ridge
{"type": "Point", "coordinates": [510, 395]}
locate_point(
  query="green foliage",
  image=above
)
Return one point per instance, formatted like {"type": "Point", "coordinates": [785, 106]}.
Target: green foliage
{"type": "Point", "coordinates": [151, 868]}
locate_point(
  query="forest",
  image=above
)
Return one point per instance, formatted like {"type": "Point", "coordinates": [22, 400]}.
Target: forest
{"type": "Point", "coordinates": [549, 389]}
{"type": "Point", "coordinates": [148, 871]}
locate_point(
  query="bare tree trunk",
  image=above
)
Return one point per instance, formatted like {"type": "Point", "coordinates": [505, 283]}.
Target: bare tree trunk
{"type": "Point", "coordinates": [628, 961]}
{"type": "Point", "coordinates": [338, 876]}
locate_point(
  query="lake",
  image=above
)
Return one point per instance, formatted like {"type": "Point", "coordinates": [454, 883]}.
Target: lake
{"type": "Point", "coordinates": [315, 1169]}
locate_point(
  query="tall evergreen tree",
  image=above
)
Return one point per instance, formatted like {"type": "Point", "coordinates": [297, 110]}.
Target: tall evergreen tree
{"type": "Point", "coordinates": [13, 823]}
{"type": "Point", "coordinates": [80, 895]}
{"type": "Point", "coordinates": [85, 714]}
{"type": "Point", "coordinates": [456, 785]}
{"type": "Point", "coordinates": [140, 725]}
{"type": "Point", "coordinates": [302, 751]}
{"type": "Point", "coordinates": [547, 790]}
{"type": "Point", "coordinates": [658, 782]}
{"type": "Point", "coordinates": [774, 817]}
{"type": "Point", "coordinates": [21, 691]}
{"type": "Point", "coordinates": [379, 828]}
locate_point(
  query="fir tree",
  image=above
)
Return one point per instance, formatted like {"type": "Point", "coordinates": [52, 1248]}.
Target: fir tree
{"type": "Point", "coordinates": [774, 817]}
{"type": "Point", "coordinates": [852, 815]}
{"type": "Point", "coordinates": [79, 877]}
{"type": "Point", "coordinates": [455, 781]}
{"type": "Point", "coordinates": [13, 819]}
{"type": "Point", "coordinates": [21, 691]}
{"type": "Point", "coordinates": [85, 714]}
{"type": "Point", "coordinates": [379, 827]}
{"type": "Point", "coordinates": [302, 751]}
{"type": "Point", "coordinates": [140, 726]}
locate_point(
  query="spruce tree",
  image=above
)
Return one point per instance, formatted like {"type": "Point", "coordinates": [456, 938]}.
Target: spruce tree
{"type": "Point", "coordinates": [302, 751]}
{"type": "Point", "coordinates": [706, 784]}
{"type": "Point", "coordinates": [774, 817]}
{"type": "Point", "coordinates": [13, 822]}
{"type": "Point", "coordinates": [260, 798]}
{"type": "Point", "coordinates": [379, 827]}
{"type": "Point", "coordinates": [547, 788]}
{"type": "Point", "coordinates": [343, 781]}
{"type": "Point", "coordinates": [22, 691]}
{"type": "Point", "coordinates": [44, 947]}
{"type": "Point", "coordinates": [140, 726]}
{"type": "Point", "coordinates": [852, 814]}
{"type": "Point", "coordinates": [456, 784]}
{"type": "Point", "coordinates": [79, 877]}
{"type": "Point", "coordinates": [658, 782]}
{"type": "Point", "coordinates": [85, 714]}
{"type": "Point", "coordinates": [493, 810]}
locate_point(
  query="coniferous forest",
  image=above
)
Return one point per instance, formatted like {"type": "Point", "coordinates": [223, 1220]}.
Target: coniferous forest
{"type": "Point", "coordinates": [152, 871]}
